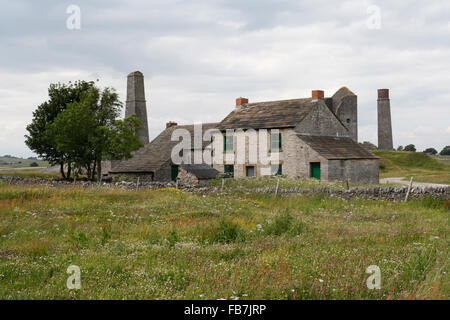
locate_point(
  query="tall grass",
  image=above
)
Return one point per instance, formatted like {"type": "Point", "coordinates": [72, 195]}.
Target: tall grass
{"type": "Point", "coordinates": [167, 244]}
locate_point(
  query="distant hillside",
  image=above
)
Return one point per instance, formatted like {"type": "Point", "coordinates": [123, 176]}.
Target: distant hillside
{"type": "Point", "coordinates": [406, 164]}
{"type": "Point", "coordinates": [10, 162]}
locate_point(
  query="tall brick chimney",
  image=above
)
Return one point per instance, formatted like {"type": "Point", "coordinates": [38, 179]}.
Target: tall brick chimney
{"type": "Point", "coordinates": [318, 94]}
{"type": "Point", "coordinates": [384, 121]}
{"type": "Point", "coordinates": [136, 103]}
{"type": "Point", "coordinates": [241, 102]}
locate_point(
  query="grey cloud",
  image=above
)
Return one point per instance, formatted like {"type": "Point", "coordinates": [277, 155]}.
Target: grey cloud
{"type": "Point", "coordinates": [200, 55]}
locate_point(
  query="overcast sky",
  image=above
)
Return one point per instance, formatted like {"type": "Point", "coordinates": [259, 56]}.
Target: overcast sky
{"type": "Point", "coordinates": [199, 56]}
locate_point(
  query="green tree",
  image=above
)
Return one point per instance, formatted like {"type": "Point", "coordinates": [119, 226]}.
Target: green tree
{"type": "Point", "coordinates": [445, 151]}
{"type": "Point", "coordinates": [400, 148]}
{"type": "Point", "coordinates": [432, 151]}
{"type": "Point", "coordinates": [39, 138]}
{"type": "Point", "coordinates": [87, 132]}
{"type": "Point", "coordinates": [410, 147]}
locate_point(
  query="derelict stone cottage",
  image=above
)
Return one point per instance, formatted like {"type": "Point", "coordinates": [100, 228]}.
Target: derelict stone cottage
{"type": "Point", "coordinates": [315, 137]}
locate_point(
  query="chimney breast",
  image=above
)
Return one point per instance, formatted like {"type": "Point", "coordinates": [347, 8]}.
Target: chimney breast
{"type": "Point", "coordinates": [241, 101]}
{"type": "Point", "coordinates": [383, 93]}
{"type": "Point", "coordinates": [318, 94]}
{"type": "Point", "coordinates": [171, 124]}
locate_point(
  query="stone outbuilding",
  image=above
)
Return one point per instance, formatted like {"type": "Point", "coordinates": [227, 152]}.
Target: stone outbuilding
{"type": "Point", "coordinates": [153, 162]}
{"type": "Point", "coordinates": [196, 174]}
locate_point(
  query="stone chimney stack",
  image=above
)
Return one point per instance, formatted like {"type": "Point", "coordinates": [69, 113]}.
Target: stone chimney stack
{"type": "Point", "coordinates": [136, 103]}
{"type": "Point", "coordinates": [241, 102]}
{"type": "Point", "coordinates": [317, 94]}
{"type": "Point", "coordinates": [384, 121]}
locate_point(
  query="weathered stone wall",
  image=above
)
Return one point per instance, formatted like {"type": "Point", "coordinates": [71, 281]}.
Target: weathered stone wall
{"type": "Point", "coordinates": [143, 177]}
{"type": "Point", "coordinates": [251, 142]}
{"type": "Point", "coordinates": [304, 155]}
{"type": "Point", "coordinates": [186, 177]}
{"type": "Point", "coordinates": [347, 112]}
{"type": "Point", "coordinates": [357, 171]}
{"type": "Point", "coordinates": [322, 121]}
{"type": "Point", "coordinates": [164, 173]}
{"type": "Point", "coordinates": [379, 193]}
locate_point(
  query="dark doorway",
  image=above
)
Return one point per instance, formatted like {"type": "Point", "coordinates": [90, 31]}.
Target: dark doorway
{"type": "Point", "coordinates": [315, 170]}
{"type": "Point", "coordinates": [174, 172]}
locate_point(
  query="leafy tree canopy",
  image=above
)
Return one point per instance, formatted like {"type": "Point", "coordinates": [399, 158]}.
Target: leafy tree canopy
{"type": "Point", "coordinates": [410, 147]}
{"type": "Point", "coordinates": [445, 151]}
{"type": "Point", "coordinates": [432, 151]}
{"type": "Point", "coordinates": [78, 128]}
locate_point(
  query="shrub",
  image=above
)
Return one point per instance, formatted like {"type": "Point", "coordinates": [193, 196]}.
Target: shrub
{"type": "Point", "coordinates": [280, 225]}
{"type": "Point", "coordinates": [285, 223]}
{"type": "Point", "coordinates": [34, 164]}
{"type": "Point", "coordinates": [172, 238]}
{"type": "Point", "coordinates": [224, 231]}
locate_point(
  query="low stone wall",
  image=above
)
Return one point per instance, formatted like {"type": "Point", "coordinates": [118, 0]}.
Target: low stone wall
{"type": "Point", "coordinates": [379, 193]}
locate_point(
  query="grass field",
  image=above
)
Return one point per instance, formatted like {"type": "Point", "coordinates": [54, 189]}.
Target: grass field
{"type": "Point", "coordinates": [407, 164]}
{"type": "Point", "coordinates": [168, 244]}
{"type": "Point", "coordinates": [10, 162]}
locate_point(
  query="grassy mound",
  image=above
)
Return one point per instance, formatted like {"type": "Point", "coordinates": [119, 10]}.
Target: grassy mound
{"type": "Point", "coordinates": [406, 164]}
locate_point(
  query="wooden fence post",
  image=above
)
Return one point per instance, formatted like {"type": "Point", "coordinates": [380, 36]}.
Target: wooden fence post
{"type": "Point", "coordinates": [276, 189]}
{"type": "Point", "coordinates": [137, 184]}
{"type": "Point", "coordinates": [409, 189]}
{"type": "Point", "coordinates": [223, 182]}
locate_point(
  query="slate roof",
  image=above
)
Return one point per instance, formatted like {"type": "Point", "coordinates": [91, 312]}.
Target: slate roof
{"type": "Point", "coordinates": [272, 114]}
{"type": "Point", "coordinates": [201, 171]}
{"type": "Point", "coordinates": [333, 148]}
{"type": "Point", "coordinates": [153, 155]}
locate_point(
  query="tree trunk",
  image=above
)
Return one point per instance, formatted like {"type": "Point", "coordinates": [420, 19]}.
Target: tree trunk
{"type": "Point", "coordinates": [69, 170]}
{"type": "Point", "coordinates": [93, 169]}
{"type": "Point", "coordinates": [99, 170]}
{"type": "Point", "coordinates": [62, 170]}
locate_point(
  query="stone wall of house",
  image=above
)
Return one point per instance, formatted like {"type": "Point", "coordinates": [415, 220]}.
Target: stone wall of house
{"type": "Point", "coordinates": [295, 156]}
{"type": "Point", "coordinates": [347, 112]}
{"type": "Point", "coordinates": [164, 173]}
{"type": "Point", "coordinates": [321, 121]}
{"type": "Point", "coordinates": [303, 156]}
{"type": "Point", "coordinates": [357, 171]}
{"type": "Point", "coordinates": [252, 147]}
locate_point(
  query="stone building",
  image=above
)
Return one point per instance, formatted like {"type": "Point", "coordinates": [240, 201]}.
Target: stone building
{"type": "Point", "coordinates": [196, 174]}
{"type": "Point", "coordinates": [153, 162]}
{"type": "Point", "coordinates": [384, 120]}
{"type": "Point", "coordinates": [315, 137]}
